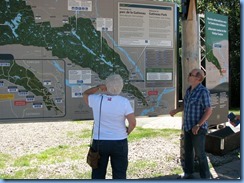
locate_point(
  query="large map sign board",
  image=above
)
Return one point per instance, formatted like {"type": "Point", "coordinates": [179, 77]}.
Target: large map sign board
{"type": "Point", "coordinates": [53, 50]}
{"type": "Point", "coordinates": [217, 65]}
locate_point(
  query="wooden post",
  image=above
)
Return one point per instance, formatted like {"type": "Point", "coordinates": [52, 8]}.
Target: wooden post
{"type": "Point", "coordinates": [190, 44]}
{"type": "Point", "coordinates": [190, 56]}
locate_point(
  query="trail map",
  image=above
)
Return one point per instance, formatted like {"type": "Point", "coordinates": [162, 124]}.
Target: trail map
{"type": "Point", "coordinates": [53, 50]}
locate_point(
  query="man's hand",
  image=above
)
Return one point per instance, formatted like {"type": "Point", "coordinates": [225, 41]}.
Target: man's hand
{"type": "Point", "coordinates": [195, 129]}
{"type": "Point", "coordinates": [173, 112]}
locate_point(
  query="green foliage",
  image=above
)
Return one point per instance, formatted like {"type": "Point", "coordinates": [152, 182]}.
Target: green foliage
{"type": "Point", "coordinates": [236, 111]}
{"type": "Point", "coordinates": [232, 10]}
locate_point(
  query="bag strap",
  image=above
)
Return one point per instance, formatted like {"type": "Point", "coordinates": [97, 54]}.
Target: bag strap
{"type": "Point", "coordinates": [99, 123]}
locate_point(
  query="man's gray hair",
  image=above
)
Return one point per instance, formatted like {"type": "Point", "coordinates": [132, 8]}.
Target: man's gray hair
{"type": "Point", "coordinates": [200, 74]}
{"type": "Point", "coordinates": [114, 84]}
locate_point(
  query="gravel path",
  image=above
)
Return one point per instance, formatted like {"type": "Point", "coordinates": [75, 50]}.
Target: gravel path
{"type": "Point", "coordinates": [30, 138]}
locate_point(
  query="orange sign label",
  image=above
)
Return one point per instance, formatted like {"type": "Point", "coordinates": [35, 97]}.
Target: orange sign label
{"type": "Point", "coordinates": [6, 96]}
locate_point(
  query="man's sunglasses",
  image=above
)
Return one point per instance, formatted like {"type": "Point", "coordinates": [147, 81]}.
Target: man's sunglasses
{"type": "Point", "coordinates": [190, 74]}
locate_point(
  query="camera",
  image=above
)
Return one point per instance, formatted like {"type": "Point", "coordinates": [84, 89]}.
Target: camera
{"type": "Point", "coordinates": [232, 118]}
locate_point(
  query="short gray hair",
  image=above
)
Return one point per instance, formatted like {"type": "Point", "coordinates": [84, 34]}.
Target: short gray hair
{"type": "Point", "coordinates": [114, 84]}
{"type": "Point", "coordinates": [200, 74]}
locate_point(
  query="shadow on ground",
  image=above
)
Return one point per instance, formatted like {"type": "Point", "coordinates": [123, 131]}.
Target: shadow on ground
{"type": "Point", "coordinates": [165, 177]}
{"type": "Point", "coordinates": [227, 166]}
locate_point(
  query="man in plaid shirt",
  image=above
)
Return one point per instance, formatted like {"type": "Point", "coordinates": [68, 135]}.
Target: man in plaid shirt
{"type": "Point", "coordinates": [197, 109]}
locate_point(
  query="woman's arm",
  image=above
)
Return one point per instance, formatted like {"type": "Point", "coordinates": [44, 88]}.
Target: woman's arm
{"type": "Point", "coordinates": [132, 122]}
{"type": "Point", "coordinates": [93, 90]}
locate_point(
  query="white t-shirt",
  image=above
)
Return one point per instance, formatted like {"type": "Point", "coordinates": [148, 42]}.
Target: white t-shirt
{"type": "Point", "coordinates": [113, 112]}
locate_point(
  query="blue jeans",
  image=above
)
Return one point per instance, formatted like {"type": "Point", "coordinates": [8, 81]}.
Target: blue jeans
{"type": "Point", "coordinates": [117, 150]}
{"type": "Point", "coordinates": [196, 142]}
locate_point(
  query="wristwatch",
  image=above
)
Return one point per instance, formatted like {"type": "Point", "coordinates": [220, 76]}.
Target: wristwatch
{"type": "Point", "coordinates": [198, 125]}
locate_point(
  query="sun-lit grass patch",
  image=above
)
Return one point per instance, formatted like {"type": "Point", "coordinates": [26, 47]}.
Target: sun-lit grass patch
{"type": "Point", "coordinates": [53, 155]}
{"type": "Point", "coordinates": [140, 133]}
{"type": "Point", "coordinates": [140, 165]}
{"type": "Point", "coordinates": [21, 174]}
{"type": "Point", "coordinates": [23, 161]}
{"type": "Point", "coordinates": [177, 171]}
{"type": "Point", "coordinates": [4, 158]}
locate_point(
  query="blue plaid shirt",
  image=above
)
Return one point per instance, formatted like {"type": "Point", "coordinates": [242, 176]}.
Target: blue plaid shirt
{"type": "Point", "coordinates": [195, 103]}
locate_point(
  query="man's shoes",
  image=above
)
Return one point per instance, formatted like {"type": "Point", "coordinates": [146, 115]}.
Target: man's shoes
{"type": "Point", "coordinates": [185, 176]}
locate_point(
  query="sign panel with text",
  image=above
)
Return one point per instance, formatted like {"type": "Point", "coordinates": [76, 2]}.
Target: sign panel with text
{"type": "Point", "coordinates": [217, 65]}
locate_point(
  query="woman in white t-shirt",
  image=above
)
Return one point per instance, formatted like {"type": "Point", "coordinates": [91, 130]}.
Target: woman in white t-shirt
{"type": "Point", "coordinates": [110, 132]}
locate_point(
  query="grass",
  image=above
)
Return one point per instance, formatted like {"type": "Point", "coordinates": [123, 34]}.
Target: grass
{"type": "Point", "coordinates": [236, 111]}
{"type": "Point", "coordinates": [4, 158]}
{"type": "Point", "coordinates": [140, 133]}
{"type": "Point", "coordinates": [20, 174]}
{"type": "Point", "coordinates": [179, 114]}
{"type": "Point", "coordinates": [177, 171]}
{"type": "Point", "coordinates": [50, 156]}
{"type": "Point", "coordinates": [33, 166]}
{"type": "Point", "coordinates": [141, 165]}
{"type": "Point", "coordinates": [80, 134]}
